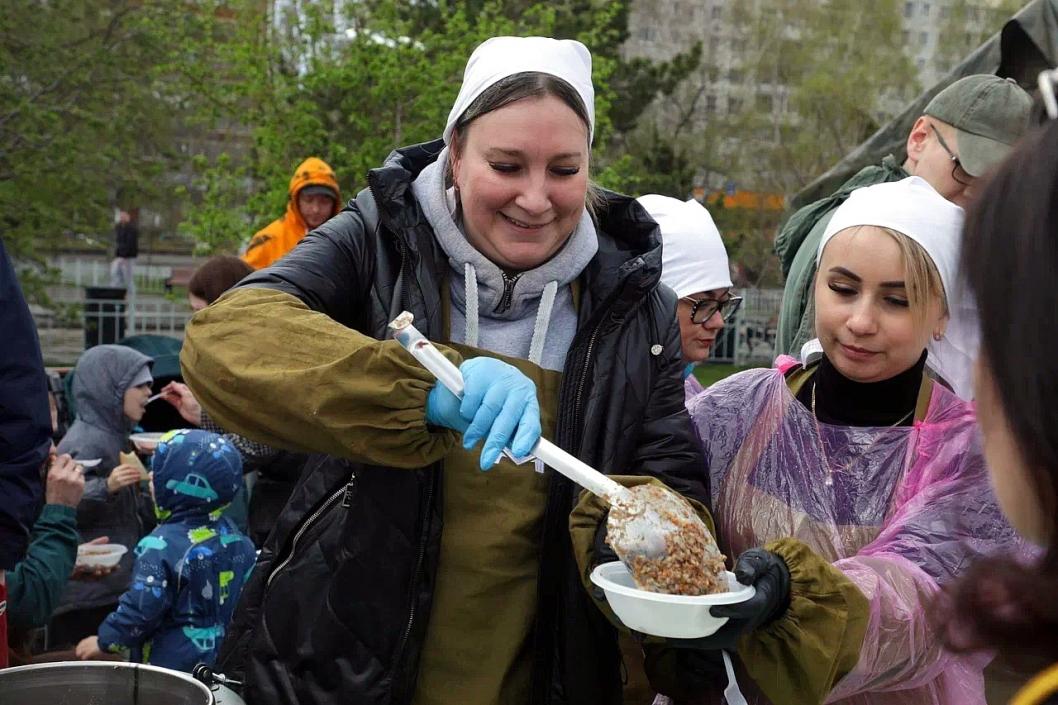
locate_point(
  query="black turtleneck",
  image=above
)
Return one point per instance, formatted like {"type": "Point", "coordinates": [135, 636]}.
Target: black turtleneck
{"type": "Point", "coordinates": [841, 401]}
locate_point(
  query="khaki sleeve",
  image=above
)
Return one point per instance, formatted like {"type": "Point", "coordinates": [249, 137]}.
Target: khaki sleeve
{"type": "Point", "coordinates": [799, 658]}
{"type": "Point", "coordinates": [267, 367]}
{"type": "Point", "coordinates": [584, 523]}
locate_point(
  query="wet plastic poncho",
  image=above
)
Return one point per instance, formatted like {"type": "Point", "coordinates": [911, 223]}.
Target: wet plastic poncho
{"type": "Point", "coordinates": [892, 512]}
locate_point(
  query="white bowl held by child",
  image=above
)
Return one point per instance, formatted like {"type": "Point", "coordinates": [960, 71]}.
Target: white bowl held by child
{"type": "Point", "coordinates": [146, 442]}
{"type": "Point", "coordinates": [658, 614]}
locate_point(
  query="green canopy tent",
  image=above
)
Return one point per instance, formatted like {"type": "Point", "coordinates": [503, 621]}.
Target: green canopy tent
{"type": "Point", "coordinates": [1027, 45]}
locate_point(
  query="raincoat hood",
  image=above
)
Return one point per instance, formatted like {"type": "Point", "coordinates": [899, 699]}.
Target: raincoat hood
{"type": "Point", "coordinates": [281, 235]}
{"type": "Point", "coordinates": [311, 172]}
{"type": "Point", "coordinates": [101, 378]}
{"type": "Point", "coordinates": [195, 472]}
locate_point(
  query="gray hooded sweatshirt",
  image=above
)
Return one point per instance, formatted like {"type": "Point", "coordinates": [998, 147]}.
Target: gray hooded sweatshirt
{"type": "Point", "coordinates": [529, 315]}
{"type": "Point", "coordinates": [101, 430]}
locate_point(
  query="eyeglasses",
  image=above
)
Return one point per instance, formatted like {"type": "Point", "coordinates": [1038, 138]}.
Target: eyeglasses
{"type": "Point", "coordinates": [958, 173]}
{"type": "Point", "coordinates": [703, 309]}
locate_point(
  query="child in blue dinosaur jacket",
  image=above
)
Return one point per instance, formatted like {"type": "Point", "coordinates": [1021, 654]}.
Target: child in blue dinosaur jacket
{"type": "Point", "coordinates": [190, 569]}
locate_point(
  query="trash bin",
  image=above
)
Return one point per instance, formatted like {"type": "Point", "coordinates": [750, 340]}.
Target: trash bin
{"type": "Point", "coordinates": [104, 315]}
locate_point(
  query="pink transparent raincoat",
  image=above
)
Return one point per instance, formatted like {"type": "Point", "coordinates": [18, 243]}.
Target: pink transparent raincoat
{"type": "Point", "coordinates": [899, 511]}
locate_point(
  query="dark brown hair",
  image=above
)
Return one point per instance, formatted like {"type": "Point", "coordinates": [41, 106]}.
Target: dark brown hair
{"type": "Point", "coordinates": [217, 275]}
{"type": "Point", "coordinates": [1010, 256]}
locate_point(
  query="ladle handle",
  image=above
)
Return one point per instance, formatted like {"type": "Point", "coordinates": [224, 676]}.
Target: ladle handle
{"type": "Point", "coordinates": [449, 375]}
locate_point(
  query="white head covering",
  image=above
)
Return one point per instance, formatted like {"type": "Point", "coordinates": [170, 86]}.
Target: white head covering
{"type": "Point", "coordinates": [913, 208]}
{"type": "Point", "coordinates": [500, 57]}
{"type": "Point", "coordinates": [693, 257]}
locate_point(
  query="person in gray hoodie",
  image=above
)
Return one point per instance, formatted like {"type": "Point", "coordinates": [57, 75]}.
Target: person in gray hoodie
{"type": "Point", "coordinates": [111, 386]}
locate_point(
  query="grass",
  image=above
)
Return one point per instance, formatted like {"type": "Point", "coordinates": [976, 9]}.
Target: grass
{"type": "Point", "coordinates": [710, 373]}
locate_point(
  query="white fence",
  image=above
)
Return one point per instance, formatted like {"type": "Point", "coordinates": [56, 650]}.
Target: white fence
{"type": "Point", "coordinates": [747, 340]}
{"type": "Point", "coordinates": [81, 271]}
{"type": "Point", "coordinates": [750, 338]}
{"type": "Point", "coordinates": [64, 337]}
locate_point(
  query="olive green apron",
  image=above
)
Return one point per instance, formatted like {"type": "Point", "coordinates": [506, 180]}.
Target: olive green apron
{"type": "Point", "coordinates": [478, 646]}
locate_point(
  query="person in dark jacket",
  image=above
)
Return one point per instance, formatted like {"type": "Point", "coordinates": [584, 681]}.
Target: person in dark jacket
{"type": "Point", "coordinates": [126, 249]}
{"type": "Point", "coordinates": [398, 572]}
{"type": "Point", "coordinates": [25, 429]}
{"type": "Point", "coordinates": [111, 386]}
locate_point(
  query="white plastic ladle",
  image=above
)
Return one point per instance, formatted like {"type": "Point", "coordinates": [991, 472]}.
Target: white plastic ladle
{"type": "Point", "coordinates": [449, 375]}
{"type": "Point", "coordinates": [648, 518]}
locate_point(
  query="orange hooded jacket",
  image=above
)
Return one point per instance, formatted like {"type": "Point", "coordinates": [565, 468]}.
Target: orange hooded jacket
{"type": "Point", "coordinates": [281, 235]}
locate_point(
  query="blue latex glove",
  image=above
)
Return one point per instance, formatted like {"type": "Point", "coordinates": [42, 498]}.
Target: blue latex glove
{"type": "Point", "coordinates": [499, 404]}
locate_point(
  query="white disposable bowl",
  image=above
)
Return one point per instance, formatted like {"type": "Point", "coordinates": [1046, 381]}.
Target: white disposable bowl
{"type": "Point", "coordinates": [104, 555]}
{"type": "Point", "coordinates": [658, 614]}
{"type": "Point", "coordinates": [146, 441]}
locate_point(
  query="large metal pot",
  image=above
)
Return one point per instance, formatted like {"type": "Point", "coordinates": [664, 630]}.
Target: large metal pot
{"type": "Point", "coordinates": [105, 683]}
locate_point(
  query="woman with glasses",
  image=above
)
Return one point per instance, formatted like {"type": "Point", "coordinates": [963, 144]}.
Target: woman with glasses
{"type": "Point", "coordinates": [694, 265]}
{"type": "Point", "coordinates": [861, 477]}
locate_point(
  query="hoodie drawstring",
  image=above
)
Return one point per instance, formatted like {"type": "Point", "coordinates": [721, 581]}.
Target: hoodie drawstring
{"type": "Point", "coordinates": [543, 320]}
{"type": "Point", "coordinates": [540, 328]}
{"type": "Point", "coordinates": [470, 284]}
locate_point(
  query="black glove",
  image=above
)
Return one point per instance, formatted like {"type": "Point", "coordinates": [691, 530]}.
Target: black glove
{"type": "Point", "coordinates": [769, 574]}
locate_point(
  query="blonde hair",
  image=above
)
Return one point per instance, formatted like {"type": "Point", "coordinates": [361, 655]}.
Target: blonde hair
{"type": "Point", "coordinates": [921, 277]}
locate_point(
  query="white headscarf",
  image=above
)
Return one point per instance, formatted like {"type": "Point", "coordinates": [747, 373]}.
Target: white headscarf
{"type": "Point", "coordinates": [913, 208]}
{"type": "Point", "coordinates": [500, 57]}
{"type": "Point", "coordinates": [693, 257]}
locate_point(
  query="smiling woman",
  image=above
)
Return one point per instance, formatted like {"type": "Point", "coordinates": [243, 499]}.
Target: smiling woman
{"type": "Point", "coordinates": [522, 196]}
{"type": "Point", "coordinates": [555, 314]}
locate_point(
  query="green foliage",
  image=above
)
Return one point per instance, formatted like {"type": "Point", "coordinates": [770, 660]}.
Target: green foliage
{"type": "Point", "coordinates": [350, 97]}
{"type": "Point", "coordinates": [91, 96]}
{"type": "Point", "coordinates": [221, 227]}
{"type": "Point", "coordinates": [840, 86]}
{"type": "Point", "coordinates": [200, 111]}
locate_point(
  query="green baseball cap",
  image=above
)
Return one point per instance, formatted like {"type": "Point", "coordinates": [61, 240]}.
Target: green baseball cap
{"type": "Point", "coordinates": [988, 113]}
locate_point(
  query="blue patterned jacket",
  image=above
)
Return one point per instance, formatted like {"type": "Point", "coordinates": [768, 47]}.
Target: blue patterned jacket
{"type": "Point", "coordinates": [190, 570]}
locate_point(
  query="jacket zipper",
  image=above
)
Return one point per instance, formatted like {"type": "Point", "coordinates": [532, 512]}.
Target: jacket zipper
{"type": "Point", "coordinates": [415, 576]}
{"type": "Point", "coordinates": [508, 291]}
{"type": "Point", "coordinates": [584, 374]}
{"type": "Point", "coordinates": [345, 493]}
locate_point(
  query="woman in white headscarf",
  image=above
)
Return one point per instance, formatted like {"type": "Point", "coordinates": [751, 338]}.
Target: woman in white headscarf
{"type": "Point", "coordinates": [858, 475]}
{"type": "Point", "coordinates": [405, 574]}
{"type": "Point", "coordinates": [694, 265]}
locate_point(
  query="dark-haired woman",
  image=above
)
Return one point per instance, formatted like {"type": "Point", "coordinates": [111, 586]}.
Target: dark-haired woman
{"type": "Point", "coordinates": [408, 575]}
{"type": "Point", "coordinates": [857, 473]}
{"type": "Point", "coordinates": [1011, 261]}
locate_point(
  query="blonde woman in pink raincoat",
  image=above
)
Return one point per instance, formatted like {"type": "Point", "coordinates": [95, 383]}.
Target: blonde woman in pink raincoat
{"type": "Point", "coordinates": [856, 473]}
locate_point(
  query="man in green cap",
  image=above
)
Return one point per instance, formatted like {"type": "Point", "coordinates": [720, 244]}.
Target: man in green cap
{"type": "Point", "coordinates": [965, 130]}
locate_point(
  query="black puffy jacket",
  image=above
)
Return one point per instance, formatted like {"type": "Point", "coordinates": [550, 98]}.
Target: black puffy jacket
{"type": "Point", "coordinates": [337, 609]}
